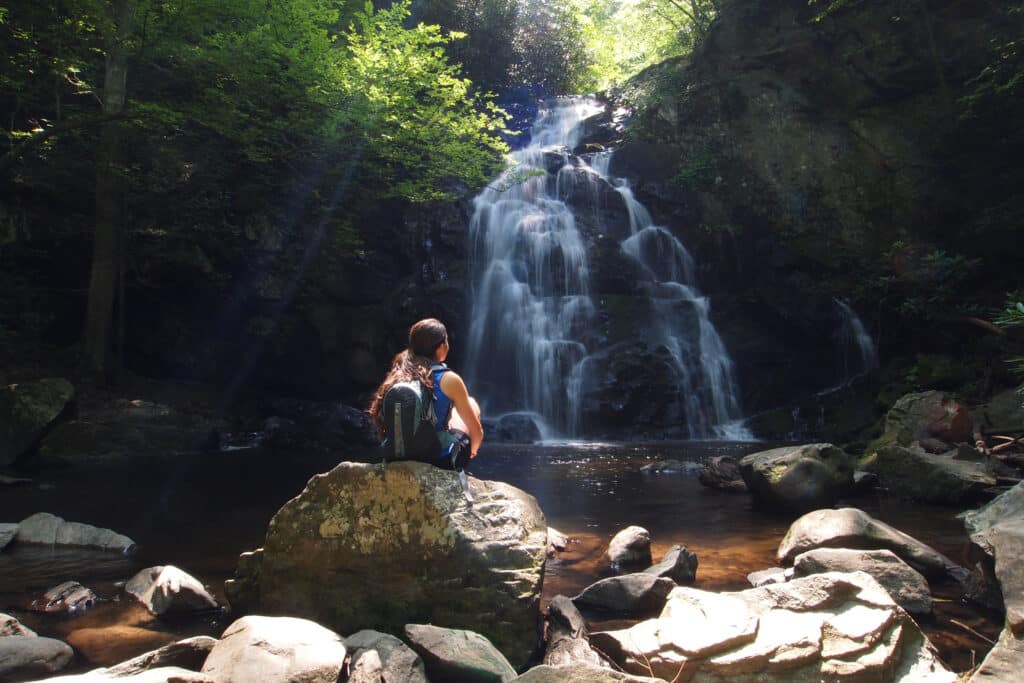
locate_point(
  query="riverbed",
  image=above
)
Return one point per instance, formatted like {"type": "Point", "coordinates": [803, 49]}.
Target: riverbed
{"type": "Point", "coordinates": [200, 511]}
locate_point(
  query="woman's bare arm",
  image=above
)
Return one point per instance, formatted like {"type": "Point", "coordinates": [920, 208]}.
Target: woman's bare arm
{"type": "Point", "coordinates": [455, 388]}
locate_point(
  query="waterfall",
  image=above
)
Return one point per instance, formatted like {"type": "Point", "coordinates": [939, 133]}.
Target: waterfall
{"type": "Point", "coordinates": [855, 350]}
{"type": "Point", "coordinates": [532, 337]}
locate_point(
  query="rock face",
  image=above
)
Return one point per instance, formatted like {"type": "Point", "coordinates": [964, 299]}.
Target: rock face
{"type": "Point", "coordinates": [27, 411]}
{"type": "Point", "coordinates": [630, 547]}
{"type": "Point", "coordinates": [799, 477]}
{"type": "Point", "coordinates": [48, 529]}
{"type": "Point", "coordinates": [457, 655]}
{"type": "Point", "coordinates": [998, 529]}
{"type": "Point", "coordinates": [853, 528]}
{"type": "Point", "coordinates": [835, 627]}
{"type": "Point", "coordinates": [276, 650]}
{"type": "Point", "coordinates": [918, 475]}
{"type": "Point", "coordinates": [906, 586]}
{"type": "Point", "coordinates": [678, 564]}
{"type": "Point", "coordinates": [24, 658]}
{"type": "Point", "coordinates": [169, 590]}
{"type": "Point", "coordinates": [356, 550]}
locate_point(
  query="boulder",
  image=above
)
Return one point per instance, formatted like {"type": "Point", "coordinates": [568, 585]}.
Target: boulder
{"type": "Point", "coordinates": [799, 477]}
{"type": "Point", "coordinates": [557, 541]}
{"type": "Point", "coordinates": [1004, 662]}
{"type": "Point", "coordinates": [834, 626]}
{"type": "Point", "coordinates": [390, 657]}
{"type": "Point", "coordinates": [243, 591]}
{"type": "Point", "coordinates": [853, 528]}
{"type": "Point", "coordinates": [918, 475]}
{"type": "Point", "coordinates": [627, 595]}
{"type": "Point", "coordinates": [276, 650]}
{"type": "Point", "coordinates": [359, 550]}
{"type": "Point", "coordinates": [929, 414]}
{"type": "Point", "coordinates": [458, 655]}
{"type": "Point", "coordinates": [723, 472]}
{"type": "Point", "coordinates": [69, 597]}
{"type": "Point", "coordinates": [7, 534]}
{"type": "Point", "coordinates": [906, 586]}
{"type": "Point", "coordinates": [567, 642]}
{"type": "Point", "coordinates": [630, 547]}
{"type": "Point", "coordinates": [772, 575]}
{"type": "Point", "coordinates": [9, 626]}
{"type": "Point", "coordinates": [24, 658]}
{"type": "Point", "coordinates": [998, 529]}
{"type": "Point", "coordinates": [1004, 411]}
{"type": "Point", "coordinates": [27, 411]}
{"type": "Point", "coordinates": [169, 590]}
{"type": "Point", "coordinates": [189, 654]}
{"type": "Point", "coordinates": [514, 428]}
{"type": "Point", "coordinates": [48, 529]}
{"type": "Point", "coordinates": [163, 674]}
{"type": "Point", "coordinates": [678, 564]}
{"type": "Point", "coordinates": [580, 673]}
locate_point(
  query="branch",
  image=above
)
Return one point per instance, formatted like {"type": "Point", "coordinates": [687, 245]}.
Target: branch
{"type": "Point", "coordinates": [18, 150]}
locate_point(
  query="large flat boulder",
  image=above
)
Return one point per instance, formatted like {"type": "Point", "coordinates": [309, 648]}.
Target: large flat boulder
{"type": "Point", "coordinates": [799, 477]}
{"type": "Point", "coordinates": [27, 411]}
{"type": "Point", "coordinates": [832, 626]}
{"type": "Point", "coordinates": [276, 650]}
{"type": "Point", "coordinates": [913, 473]}
{"type": "Point", "coordinates": [457, 655]}
{"type": "Point", "coordinates": [361, 550]}
{"type": "Point", "coordinates": [853, 528]}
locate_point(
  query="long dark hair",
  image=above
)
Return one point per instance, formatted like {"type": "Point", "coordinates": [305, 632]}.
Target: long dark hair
{"type": "Point", "coordinates": [411, 364]}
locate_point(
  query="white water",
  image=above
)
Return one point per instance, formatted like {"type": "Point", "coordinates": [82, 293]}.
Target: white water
{"type": "Point", "coordinates": [855, 350]}
{"type": "Point", "coordinates": [532, 308]}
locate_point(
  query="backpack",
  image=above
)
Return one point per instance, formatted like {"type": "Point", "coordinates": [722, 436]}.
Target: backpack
{"type": "Point", "coordinates": [410, 425]}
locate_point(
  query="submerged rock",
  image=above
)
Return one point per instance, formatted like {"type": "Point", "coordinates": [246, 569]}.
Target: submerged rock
{"type": "Point", "coordinates": [47, 529]}
{"type": "Point", "coordinates": [906, 586]}
{"type": "Point", "coordinates": [27, 411]}
{"type": "Point", "coordinates": [458, 655]}
{"type": "Point", "coordinates": [169, 590]}
{"type": "Point", "coordinates": [69, 597]}
{"type": "Point", "coordinates": [853, 528]}
{"type": "Point", "coordinates": [799, 477]}
{"type": "Point", "coordinates": [357, 550]}
{"type": "Point", "coordinates": [630, 547]}
{"type": "Point", "coordinates": [835, 627]}
{"type": "Point", "coordinates": [276, 650]}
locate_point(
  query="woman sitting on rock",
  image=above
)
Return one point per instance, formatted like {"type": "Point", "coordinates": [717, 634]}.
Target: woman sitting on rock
{"type": "Point", "coordinates": [422, 409]}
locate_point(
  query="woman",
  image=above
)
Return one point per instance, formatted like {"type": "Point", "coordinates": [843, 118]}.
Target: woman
{"type": "Point", "coordinates": [457, 412]}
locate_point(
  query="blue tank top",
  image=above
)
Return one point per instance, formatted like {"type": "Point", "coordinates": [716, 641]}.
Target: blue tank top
{"type": "Point", "coordinates": [442, 403]}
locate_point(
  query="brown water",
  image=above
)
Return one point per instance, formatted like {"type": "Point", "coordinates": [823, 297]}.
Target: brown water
{"type": "Point", "coordinates": [199, 512]}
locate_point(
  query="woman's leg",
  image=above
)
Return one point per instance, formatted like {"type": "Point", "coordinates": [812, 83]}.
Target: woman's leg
{"type": "Point", "coordinates": [456, 421]}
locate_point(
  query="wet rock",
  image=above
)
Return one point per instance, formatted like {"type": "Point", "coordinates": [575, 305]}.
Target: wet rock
{"type": "Point", "coordinates": [836, 627]}
{"type": "Point", "coordinates": [69, 597]}
{"type": "Point", "coordinates": [627, 595]}
{"type": "Point", "coordinates": [906, 586]}
{"type": "Point", "coordinates": [769, 576]}
{"type": "Point", "coordinates": [356, 550]}
{"type": "Point", "coordinates": [389, 657]}
{"type": "Point", "coordinates": [27, 411]}
{"type": "Point", "coordinates": [580, 673]}
{"type": "Point", "coordinates": [24, 658]}
{"type": "Point", "coordinates": [673, 467]}
{"type": "Point", "coordinates": [853, 528]}
{"type": "Point", "coordinates": [189, 654]}
{"type": "Point", "coordinates": [678, 564]}
{"type": "Point", "coordinates": [7, 534]}
{"type": "Point", "coordinates": [514, 428]}
{"type": "Point", "coordinates": [567, 642]}
{"type": "Point", "coordinates": [998, 529]}
{"type": "Point", "coordinates": [630, 547]}
{"type": "Point", "coordinates": [799, 477]}
{"type": "Point", "coordinates": [458, 655]}
{"type": "Point", "coordinates": [1004, 662]}
{"type": "Point", "coordinates": [723, 472]}
{"type": "Point", "coordinates": [912, 473]}
{"type": "Point", "coordinates": [557, 541]}
{"type": "Point", "coordinates": [47, 529]}
{"type": "Point", "coordinates": [9, 626]}
{"type": "Point", "coordinates": [168, 590]}
{"type": "Point", "coordinates": [276, 650]}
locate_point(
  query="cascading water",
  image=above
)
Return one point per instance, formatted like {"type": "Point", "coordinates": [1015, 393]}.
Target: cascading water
{"type": "Point", "coordinates": [856, 352]}
{"type": "Point", "coordinates": [533, 340]}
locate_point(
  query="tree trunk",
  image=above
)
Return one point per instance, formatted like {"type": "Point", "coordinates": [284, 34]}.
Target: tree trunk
{"type": "Point", "coordinates": [106, 250]}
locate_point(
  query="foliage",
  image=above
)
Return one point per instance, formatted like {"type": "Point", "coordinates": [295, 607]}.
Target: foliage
{"type": "Point", "coordinates": [1013, 316]}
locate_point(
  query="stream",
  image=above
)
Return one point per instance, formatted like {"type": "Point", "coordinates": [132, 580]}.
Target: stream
{"type": "Point", "coordinates": [199, 512]}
